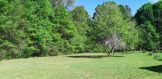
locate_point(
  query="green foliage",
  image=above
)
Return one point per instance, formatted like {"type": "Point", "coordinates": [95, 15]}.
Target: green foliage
{"type": "Point", "coordinates": [33, 28]}
{"type": "Point", "coordinates": [145, 13]}
{"type": "Point", "coordinates": [80, 19]}
{"type": "Point", "coordinates": [39, 27]}
{"type": "Point", "coordinates": [150, 36]}
{"type": "Point", "coordinates": [157, 7]}
{"type": "Point", "coordinates": [12, 38]}
{"type": "Point", "coordinates": [64, 27]}
{"type": "Point", "coordinates": [126, 11]}
{"type": "Point", "coordinates": [146, 18]}
{"type": "Point", "coordinates": [47, 28]}
{"type": "Point", "coordinates": [109, 22]}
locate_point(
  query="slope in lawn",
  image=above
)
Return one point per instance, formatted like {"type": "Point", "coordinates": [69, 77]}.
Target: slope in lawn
{"type": "Point", "coordinates": [83, 66]}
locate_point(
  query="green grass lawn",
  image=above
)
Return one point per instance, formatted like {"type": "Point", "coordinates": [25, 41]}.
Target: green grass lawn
{"type": "Point", "coordinates": [83, 66]}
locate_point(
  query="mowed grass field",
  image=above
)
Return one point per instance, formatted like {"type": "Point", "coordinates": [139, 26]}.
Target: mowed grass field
{"type": "Point", "coordinates": [83, 66]}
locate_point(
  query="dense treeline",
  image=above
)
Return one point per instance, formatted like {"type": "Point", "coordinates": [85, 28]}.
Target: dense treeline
{"type": "Point", "coordinates": [112, 29]}
{"type": "Point", "coordinates": [36, 28]}
{"type": "Point", "coordinates": [47, 28]}
{"type": "Point", "coordinates": [149, 20]}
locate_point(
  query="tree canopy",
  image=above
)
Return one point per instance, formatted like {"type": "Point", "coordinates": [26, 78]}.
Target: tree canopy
{"type": "Point", "coordinates": [112, 29]}
{"type": "Point", "coordinates": [48, 28]}
{"type": "Point", "coordinates": [148, 20]}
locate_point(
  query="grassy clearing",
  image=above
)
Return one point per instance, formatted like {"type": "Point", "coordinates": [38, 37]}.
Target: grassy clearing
{"type": "Point", "coordinates": [83, 66]}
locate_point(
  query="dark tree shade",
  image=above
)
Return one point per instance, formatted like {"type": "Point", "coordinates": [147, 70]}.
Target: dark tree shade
{"type": "Point", "coordinates": [145, 13]}
{"type": "Point", "coordinates": [146, 20]}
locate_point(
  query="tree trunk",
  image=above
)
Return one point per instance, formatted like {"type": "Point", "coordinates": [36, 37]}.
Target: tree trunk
{"type": "Point", "coordinates": [140, 49]}
{"type": "Point", "coordinates": [110, 52]}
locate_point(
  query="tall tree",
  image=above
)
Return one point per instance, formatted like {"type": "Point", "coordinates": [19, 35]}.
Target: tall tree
{"type": "Point", "coordinates": [157, 8]}
{"type": "Point", "coordinates": [126, 11]}
{"type": "Point", "coordinates": [145, 13]}
{"type": "Point", "coordinates": [145, 19]}
{"type": "Point", "coordinates": [80, 19]}
{"type": "Point", "coordinates": [38, 26]}
{"type": "Point", "coordinates": [71, 39]}
{"type": "Point", "coordinates": [150, 36]}
{"type": "Point", "coordinates": [111, 27]}
{"type": "Point", "coordinates": [13, 39]}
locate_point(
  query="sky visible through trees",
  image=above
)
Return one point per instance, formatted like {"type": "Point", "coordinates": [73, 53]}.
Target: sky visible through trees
{"type": "Point", "coordinates": [90, 5]}
{"type": "Point", "coordinates": [30, 28]}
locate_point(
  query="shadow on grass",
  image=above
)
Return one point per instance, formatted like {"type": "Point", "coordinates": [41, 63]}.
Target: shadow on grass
{"type": "Point", "coordinates": [157, 69]}
{"type": "Point", "coordinates": [159, 59]}
{"type": "Point", "coordinates": [91, 56]}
